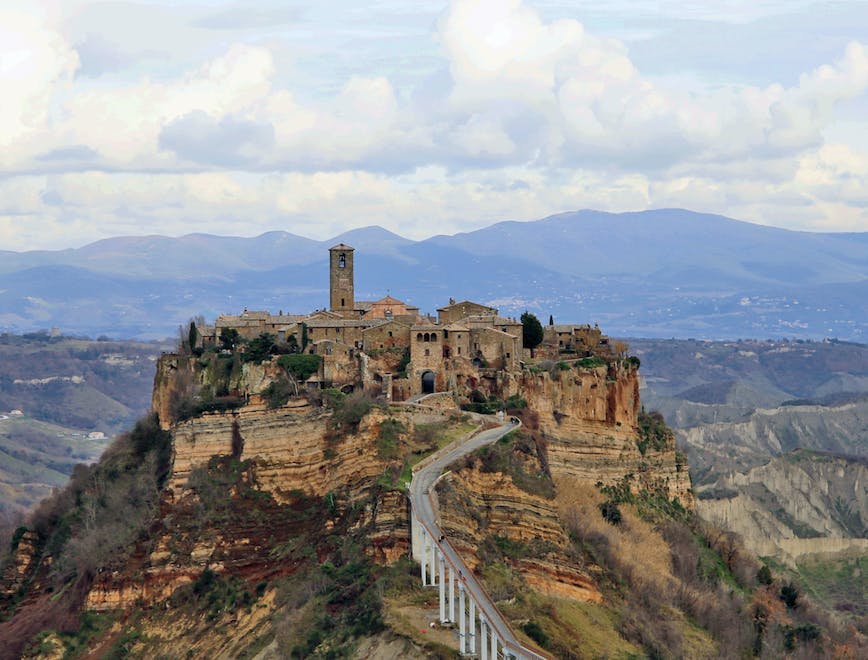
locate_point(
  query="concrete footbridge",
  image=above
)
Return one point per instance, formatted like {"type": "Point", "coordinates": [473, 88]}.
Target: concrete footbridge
{"type": "Point", "coordinates": [442, 567]}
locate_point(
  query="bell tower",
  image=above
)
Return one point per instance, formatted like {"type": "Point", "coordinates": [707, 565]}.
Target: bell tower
{"type": "Point", "coordinates": [341, 278]}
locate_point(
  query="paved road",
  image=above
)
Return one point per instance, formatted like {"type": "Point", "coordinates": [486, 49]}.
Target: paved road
{"type": "Point", "coordinates": [420, 498]}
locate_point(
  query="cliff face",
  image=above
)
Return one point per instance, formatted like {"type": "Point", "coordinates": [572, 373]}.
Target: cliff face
{"type": "Point", "coordinates": [581, 426]}
{"type": "Point", "coordinates": [256, 494]}
{"type": "Point", "coordinates": [797, 504]}
{"type": "Point", "coordinates": [588, 419]}
{"type": "Point", "coordinates": [290, 444]}
{"type": "Point", "coordinates": [720, 447]}
{"type": "Point", "coordinates": [479, 508]}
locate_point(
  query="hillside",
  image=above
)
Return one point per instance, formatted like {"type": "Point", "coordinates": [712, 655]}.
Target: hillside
{"type": "Point", "coordinates": [572, 579]}
{"type": "Point", "coordinates": [66, 389]}
{"type": "Point", "coordinates": [664, 273]}
{"type": "Point", "coordinates": [280, 526]}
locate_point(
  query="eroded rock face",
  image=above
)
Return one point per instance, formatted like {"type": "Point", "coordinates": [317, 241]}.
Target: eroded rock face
{"type": "Point", "coordinates": [588, 419]}
{"type": "Point", "coordinates": [476, 505]}
{"type": "Point", "coordinates": [22, 564]}
{"type": "Point", "coordinates": [572, 400]}
{"type": "Point", "coordinates": [295, 456]}
{"type": "Point", "coordinates": [584, 423]}
{"type": "Point", "coordinates": [801, 503]}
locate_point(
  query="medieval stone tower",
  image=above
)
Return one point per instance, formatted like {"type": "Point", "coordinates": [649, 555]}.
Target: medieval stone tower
{"type": "Point", "coordinates": [341, 278]}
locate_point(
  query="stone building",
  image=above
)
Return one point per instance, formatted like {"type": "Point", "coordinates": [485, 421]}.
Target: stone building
{"type": "Point", "coordinates": [386, 346]}
{"type": "Point", "coordinates": [581, 340]}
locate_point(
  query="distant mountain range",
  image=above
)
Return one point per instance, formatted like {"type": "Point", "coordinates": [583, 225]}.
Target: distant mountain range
{"type": "Point", "coordinates": [661, 273]}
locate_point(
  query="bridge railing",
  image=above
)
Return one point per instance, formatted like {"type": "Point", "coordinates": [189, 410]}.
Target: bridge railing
{"type": "Point", "coordinates": [443, 548]}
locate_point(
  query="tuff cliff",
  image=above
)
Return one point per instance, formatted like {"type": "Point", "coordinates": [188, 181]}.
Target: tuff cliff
{"type": "Point", "coordinates": [581, 425]}
{"type": "Point", "coordinates": [588, 417]}
{"type": "Point", "coordinates": [258, 493]}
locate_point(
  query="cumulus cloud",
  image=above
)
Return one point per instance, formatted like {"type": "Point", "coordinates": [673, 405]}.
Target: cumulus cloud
{"type": "Point", "coordinates": [529, 116]}
{"type": "Point", "coordinates": [230, 141]}
{"type": "Point", "coordinates": [36, 63]}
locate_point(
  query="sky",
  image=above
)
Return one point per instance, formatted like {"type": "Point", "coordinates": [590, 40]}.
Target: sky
{"type": "Point", "coordinates": [237, 118]}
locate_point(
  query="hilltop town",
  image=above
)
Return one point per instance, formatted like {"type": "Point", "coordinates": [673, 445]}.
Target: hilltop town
{"type": "Point", "coordinates": [275, 501]}
{"type": "Point", "coordinates": [389, 349]}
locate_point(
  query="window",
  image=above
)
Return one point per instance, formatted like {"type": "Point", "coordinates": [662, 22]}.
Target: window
{"type": "Point", "coordinates": [342, 302]}
{"type": "Point", "coordinates": [427, 352]}
{"type": "Point", "coordinates": [419, 337]}
{"type": "Point", "coordinates": [507, 355]}
{"type": "Point", "coordinates": [433, 336]}
{"type": "Point", "coordinates": [427, 337]}
{"type": "Point", "coordinates": [342, 262]}
{"type": "Point", "coordinates": [459, 350]}
{"type": "Point", "coordinates": [390, 333]}
{"type": "Point", "coordinates": [445, 334]}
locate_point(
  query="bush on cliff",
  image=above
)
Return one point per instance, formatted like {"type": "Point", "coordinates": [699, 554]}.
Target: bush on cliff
{"type": "Point", "coordinates": [260, 349]}
{"type": "Point", "coordinates": [521, 455]}
{"type": "Point", "coordinates": [300, 366]}
{"type": "Point", "coordinates": [348, 409]}
{"type": "Point", "coordinates": [96, 519]}
{"type": "Point", "coordinates": [653, 432]}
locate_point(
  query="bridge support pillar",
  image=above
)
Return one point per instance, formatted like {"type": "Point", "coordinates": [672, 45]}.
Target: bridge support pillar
{"type": "Point", "coordinates": [423, 556]}
{"type": "Point", "coordinates": [452, 593]}
{"type": "Point", "coordinates": [432, 560]}
{"type": "Point", "coordinates": [462, 624]}
{"type": "Point", "coordinates": [472, 621]}
{"type": "Point", "coordinates": [483, 638]}
{"type": "Point", "coordinates": [493, 644]}
{"type": "Point", "coordinates": [442, 588]}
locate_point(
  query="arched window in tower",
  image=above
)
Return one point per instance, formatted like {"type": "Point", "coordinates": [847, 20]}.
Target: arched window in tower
{"type": "Point", "coordinates": [342, 261]}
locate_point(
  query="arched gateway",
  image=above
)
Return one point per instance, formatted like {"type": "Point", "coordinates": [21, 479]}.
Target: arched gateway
{"type": "Point", "coordinates": [427, 382]}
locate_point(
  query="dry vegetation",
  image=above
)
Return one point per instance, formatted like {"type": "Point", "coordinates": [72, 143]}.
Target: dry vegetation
{"type": "Point", "coordinates": [672, 586]}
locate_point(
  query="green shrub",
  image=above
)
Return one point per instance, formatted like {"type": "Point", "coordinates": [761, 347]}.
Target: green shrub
{"type": "Point", "coordinates": [349, 410]}
{"type": "Point", "coordinates": [610, 512]}
{"type": "Point", "coordinates": [278, 392]}
{"type": "Point", "coordinates": [515, 402]}
{"type": "Point", "coordinates": [259, 349]}
{"type": "Point", "coordinates": [790, 595]}
{"type": "Point", "coordinates": [653, 432]}
{"type": "Point", "coordinates": [405, 362]}
{"type": "Point", "coordinates": [590, 363]}
{"type": "Point", "coordinates": [485, 407]}
{"type": "Point", "coordinates": [387, 440]}
{"type": "Point", "coordinates": [300, 365]}
{"type": "Point", "coordinates": [537, 634]}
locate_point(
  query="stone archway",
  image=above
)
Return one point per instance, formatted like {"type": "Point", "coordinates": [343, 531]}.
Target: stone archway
{"type": "Point", "coordinates": [427, 382]}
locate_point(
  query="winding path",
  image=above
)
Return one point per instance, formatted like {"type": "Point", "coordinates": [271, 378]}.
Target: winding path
{"type": "Point", "coordinates": [423, 508]}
